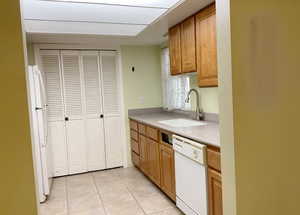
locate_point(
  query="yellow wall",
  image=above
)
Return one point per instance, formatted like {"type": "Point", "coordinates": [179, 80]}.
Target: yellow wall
{"type": "Point", "coordinates": [265, 81]}
{"type": "Point", "coordinates": [208, 95]}
{"type": "Point", "coordinates": [17, 177]}
{"type": "Point", "coordinates": [142, 88]}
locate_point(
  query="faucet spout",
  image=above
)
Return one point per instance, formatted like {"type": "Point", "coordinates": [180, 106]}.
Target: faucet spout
{"type": "Point", "coordinates": [199, 113]}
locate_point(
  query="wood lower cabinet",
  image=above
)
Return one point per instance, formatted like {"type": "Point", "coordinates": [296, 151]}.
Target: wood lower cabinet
{"type": "Point", "coordinates": [144, 154]}
{"type": "Point", "coordinates": [215, 192]}
{"type": "Point", "coordinates": [155, 158]}
{"type": "Point", "coordinates": [167, 170]}
{"type": "Point", "coordinates": [135, 159]}
{"type": "Point", "coordinates": [214, 181]}
{"type": "Point", "coordinates": [153, 161]}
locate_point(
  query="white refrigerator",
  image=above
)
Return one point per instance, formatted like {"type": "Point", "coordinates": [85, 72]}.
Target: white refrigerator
{"type": "Point", "coordinates": [42, 150]}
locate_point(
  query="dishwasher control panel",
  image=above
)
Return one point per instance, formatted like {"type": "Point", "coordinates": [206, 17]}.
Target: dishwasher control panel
{"type": "Point", "coordinates": [190, 149]}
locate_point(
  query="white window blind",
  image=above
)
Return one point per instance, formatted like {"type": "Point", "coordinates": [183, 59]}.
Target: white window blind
{"type": "Point", "coordinates": [175, 88]}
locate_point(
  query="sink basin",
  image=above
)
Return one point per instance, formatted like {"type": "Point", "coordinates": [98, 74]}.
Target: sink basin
{"type": "Point", "coordinates": [182, 122]}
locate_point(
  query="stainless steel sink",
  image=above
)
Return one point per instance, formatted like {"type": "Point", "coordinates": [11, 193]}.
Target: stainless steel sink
{"type": "Point", "coordinates": [182, 122]}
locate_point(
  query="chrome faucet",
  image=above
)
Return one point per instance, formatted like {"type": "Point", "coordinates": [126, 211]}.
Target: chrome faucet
{"type": "Point", "coordinates": [199, 112]}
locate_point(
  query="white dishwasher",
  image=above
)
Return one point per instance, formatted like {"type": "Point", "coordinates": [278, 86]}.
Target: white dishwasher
{"type": "Point", "coordinates": [191, 176]}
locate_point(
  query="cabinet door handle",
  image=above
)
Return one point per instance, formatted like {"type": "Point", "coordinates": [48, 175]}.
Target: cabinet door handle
{"type": "Point", "coordinates": [101, 116]}
{"type": "Point", "coordinates": [66, 118]}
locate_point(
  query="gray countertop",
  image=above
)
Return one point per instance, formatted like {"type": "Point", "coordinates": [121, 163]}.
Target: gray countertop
{"type": "Point", "coordinates": [207, 134]}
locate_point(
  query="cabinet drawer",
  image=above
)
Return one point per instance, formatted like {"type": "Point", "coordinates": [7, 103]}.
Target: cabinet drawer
{"type": "Point", "coordinates": [133, 125]}
{"type": "Point", "coordinates": [142, 129]}
{"type": "Point", "coordinates": [135, 146]}
{"type": "Point", "coordinates": [143, 139]}
{"type": "Point", "coordinates": [134, 135]}
{"type": "Point", "coordinates": [152, 133]}
{"type": "Point", "coordinates": [135, 159]}
{"type": "Point", "coordinates": [214, 159]}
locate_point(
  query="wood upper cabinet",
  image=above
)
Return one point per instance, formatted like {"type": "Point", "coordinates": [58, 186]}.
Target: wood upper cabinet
{"type": "Point", "coordinates": [175, 49]}
{"type": "Point", "coordinates": [153, 161]}
{"type": "Point", "coordinates": [215, 192]}
{"type": "Point", "coordinates": [167, 170]}
{"type": "Point", "coordinates": [206, 47]}
{"type": "Point", "coordinates": [188, 45]}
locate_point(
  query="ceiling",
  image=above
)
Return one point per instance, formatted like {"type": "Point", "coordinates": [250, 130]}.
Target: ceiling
{"type": "Point", "coordinates": [107, 22]}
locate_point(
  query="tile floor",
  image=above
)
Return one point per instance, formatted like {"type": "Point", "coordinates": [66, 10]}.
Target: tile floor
{"type": "Point", "coordinates": [110, 192]}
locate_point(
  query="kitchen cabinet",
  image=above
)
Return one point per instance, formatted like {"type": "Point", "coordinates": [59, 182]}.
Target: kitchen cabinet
{"type": "Point", "coordinates": [135, 143]}
{"type": "Point", "coordinates": [214, 181]}
{"type": "Point", "coordinates": [193, 47]}
{"type": "Point", "coordinates": [206, 47]}
{"type": "Point", "coordinates": [215, 192]}
{"type": "Point", "coordinates": [167, 170]}
{"type": "Point", "coordinates": [175, 49]}
{"type": "Point", "coordinates": [153, 157]}
{"type": "Point", "coordinates": [153, 161]}
{"type": "Point", "coordinates": [135, 159]}
{"type": "Point", "coordinates": [144, 155]}
{"type": "Point", "coordinates": [188, 45]}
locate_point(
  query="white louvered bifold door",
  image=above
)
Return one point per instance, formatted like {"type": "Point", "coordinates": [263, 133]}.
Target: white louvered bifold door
{"type": "Point", "coordinates": [111, 105]}
{"type": "Point", "coordinates": [74, 111]}
{"type": "Point", "coordinates": [50, 66]}
{"type": "Point", "coordinates": [93, 111]}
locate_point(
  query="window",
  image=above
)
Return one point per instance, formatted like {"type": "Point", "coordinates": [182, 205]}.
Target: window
{"type": "Point", "coordinates": [175, 88]}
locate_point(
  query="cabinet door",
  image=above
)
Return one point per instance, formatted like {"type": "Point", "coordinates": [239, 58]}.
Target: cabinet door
{"type": "Point", "coordinates": [215, 192]}
{"type": "Point", "coordinates": [188, 45]}
{"type": "Point", "coordinates": [175, 50]}
{"type": "Point", "coordinates": [154, 167]}
{"type": "Point", "coordinates": [143, 154]}
{"type": "Point", "coordinates": [93, 110]}
{"type": "Point", "coordinates": [74, 110]}
{"type": "Point", "coordinates": [112, 109]}
{"type": "Point", "coordinates": [50, 65]}
{"type": "Point", "coordinates": [167, 171]}
{"type": "Point", "coordinates": [206, 47]}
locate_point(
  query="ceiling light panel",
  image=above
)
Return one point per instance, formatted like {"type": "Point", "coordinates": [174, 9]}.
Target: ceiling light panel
{"type": "Point", "coordinates": [52, 27]}
{"type": "Point", "coordinates": [64, 11]}
{"type": "Point", "coordinates": [136, 3]}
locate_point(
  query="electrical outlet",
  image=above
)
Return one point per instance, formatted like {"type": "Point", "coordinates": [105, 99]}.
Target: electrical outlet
{"type": "Point", "coordinates": [141, 100]}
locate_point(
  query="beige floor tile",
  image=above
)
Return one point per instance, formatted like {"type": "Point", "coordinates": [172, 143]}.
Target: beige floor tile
{"type": "Point", "coordinates": [155, 203]}
{"type": "Point", "coordinates": [80, 184]}
{"type": "Point", "coordinates": [90, 211]}
{"type": "Point", "coordinates": [144, 190]}
{"type": "Point", "coordinates": [171, 211]}
{"type": "Point", "coordinates": [54, 207]}
{"type": "Point", "coordinates": [84, 202]}
{"type": "Point", "coordinates": [79, 180]}
{"type": "Point", "coordinates": [123, 196]}
{"type": "Point", "coordinates": [106, 175]}
{"type": "Point", "coordinates": [124, 207]}
{"type": "Point", "coordinates": [58, 193]}
{"type": "Point", "coordinates": [113, 192]}
{"type": "Point", "coordinates": [113, 186]}
{"type": "Point", "coordinates": [129, 172]}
